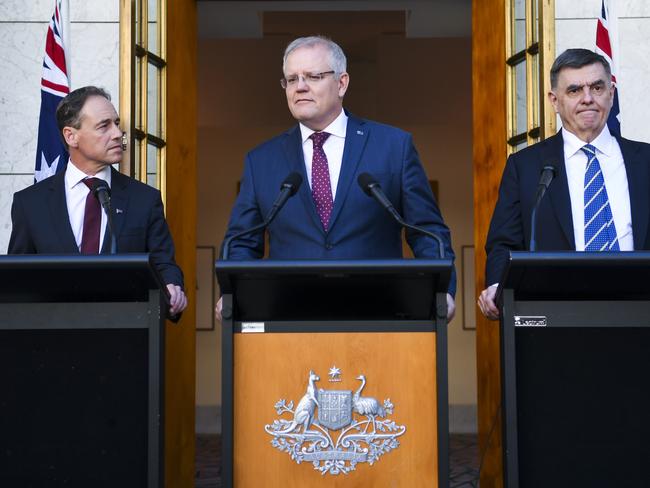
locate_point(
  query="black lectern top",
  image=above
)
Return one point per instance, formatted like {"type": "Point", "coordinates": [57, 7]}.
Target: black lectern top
{"type": "Point", "coordinates": [575, 275]}
{"type": "Point", "coordinates": [72, 277]}
{"type": "Point", "coordinates": [399, 289]}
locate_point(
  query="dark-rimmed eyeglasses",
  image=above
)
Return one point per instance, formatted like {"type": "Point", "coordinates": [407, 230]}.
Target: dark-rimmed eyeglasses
{"type": "Point", "coordinates": [309, 78]}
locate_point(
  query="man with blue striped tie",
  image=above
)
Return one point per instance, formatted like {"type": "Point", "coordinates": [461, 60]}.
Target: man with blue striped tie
{"type": "Point", "coordinates": [599, 199]}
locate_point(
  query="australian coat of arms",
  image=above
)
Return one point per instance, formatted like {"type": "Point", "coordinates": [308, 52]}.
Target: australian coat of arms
{"type": "Point", "coordinates": [350, 428]}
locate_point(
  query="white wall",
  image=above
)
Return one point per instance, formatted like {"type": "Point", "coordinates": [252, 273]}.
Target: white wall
{"type": "Point", "coordinates": [575, 26]}
{"type": "Point", "coordinates": [93, 58]}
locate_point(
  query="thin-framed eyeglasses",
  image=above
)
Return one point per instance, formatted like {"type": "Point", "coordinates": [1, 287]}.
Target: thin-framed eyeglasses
{"type": "Point", "coordinates": [309, 78]}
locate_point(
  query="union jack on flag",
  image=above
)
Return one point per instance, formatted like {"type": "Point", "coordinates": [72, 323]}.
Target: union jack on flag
{"type": "Point", "coordinates": [604, 48]}
{"type": "Point", "coordinates": [51, 155]}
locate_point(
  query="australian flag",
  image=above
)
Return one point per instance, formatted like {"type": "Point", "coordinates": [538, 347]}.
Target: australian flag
{"type": "Point", "coordinates": [604, 48]}
{"type": "Point", "coordinates": [51, 155]}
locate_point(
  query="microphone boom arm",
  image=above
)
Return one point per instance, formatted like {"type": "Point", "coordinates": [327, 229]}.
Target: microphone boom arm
{"type": "Point", "coordinates": [371, 187]}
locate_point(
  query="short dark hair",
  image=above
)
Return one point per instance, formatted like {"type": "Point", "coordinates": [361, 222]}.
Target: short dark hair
{"type": "Point", "coordinates": [577, 58]}
{"type": "Point", "coordinates": [68, 112]}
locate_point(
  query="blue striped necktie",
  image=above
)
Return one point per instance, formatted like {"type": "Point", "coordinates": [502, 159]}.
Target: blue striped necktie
{"type": "Point", "coordinates": [600, 231]}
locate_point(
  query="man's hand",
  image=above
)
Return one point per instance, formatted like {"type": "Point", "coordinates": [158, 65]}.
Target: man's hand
{"type": "Point", "coordinates": [451, 308]}
{"type": "Point", "coordinates": [217, 310]}
{"type": "Point", "coordinates": [177, 299]}
{"type": "Point", "coordinates": [486, 302]}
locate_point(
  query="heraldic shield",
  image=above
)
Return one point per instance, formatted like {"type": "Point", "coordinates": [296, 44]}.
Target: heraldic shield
{"type": "Point", "coordinates": [335, 410]}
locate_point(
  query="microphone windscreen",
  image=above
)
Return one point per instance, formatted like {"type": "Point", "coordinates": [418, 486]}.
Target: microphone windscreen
{"type": "Point", "coordinates": [365, 181]}
{"type": "Point", "coordinates": [101, 185]}
{"type": "Point", "coordinates": [293, 181]}
{"type": "Point", "coordinates": [550, 167]}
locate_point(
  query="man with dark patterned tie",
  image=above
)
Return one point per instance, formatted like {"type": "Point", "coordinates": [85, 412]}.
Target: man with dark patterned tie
{"type": "Point", "coordinates": [599, 199]}
{"type": "Point", "coordinates": [331, 217]}
{"type": "Point", "coordinates": [60, 215]}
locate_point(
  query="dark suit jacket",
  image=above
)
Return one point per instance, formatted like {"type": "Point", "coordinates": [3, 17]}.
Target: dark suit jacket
{"type": "Point", "coordinates": [510, 226]}
{"type": "Point", "coordinates": [359, 227]}
{"type": "Point", "coordinates": [41, 224]}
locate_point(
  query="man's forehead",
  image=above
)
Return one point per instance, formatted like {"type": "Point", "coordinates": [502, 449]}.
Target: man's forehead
{"type": "Point", "coordinates": [99, 108]}
{"type": "Point", "coordinates": [583, 76]}
{"type": "Point", "coordinates": [306, 57]}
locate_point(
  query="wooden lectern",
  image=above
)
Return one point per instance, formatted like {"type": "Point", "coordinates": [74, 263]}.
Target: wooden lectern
{"type": "Point", "coordinates": [575, 346]}
{"type": "Point", "coordinates": [81, 371]}
{"type": "Point", "coordinates": [335, 373]}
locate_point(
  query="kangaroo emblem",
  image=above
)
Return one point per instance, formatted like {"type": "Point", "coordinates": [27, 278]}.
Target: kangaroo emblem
{"type": "Point", "coordinates": [304, 413]}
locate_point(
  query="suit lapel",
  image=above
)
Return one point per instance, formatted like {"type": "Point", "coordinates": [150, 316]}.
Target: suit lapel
{"type": "Point", "coordinates": [296, 159]}
{"type": "Point", "coordinates": [356, 137]}
{"type": "Point", "coordinates": [59, 214]}
{"type": "Point", "coordinates": [637, 178]}
{"type": "Point", "coordinates": [119, 201]}
{"type": "Point", "coordinates": [558, 191]}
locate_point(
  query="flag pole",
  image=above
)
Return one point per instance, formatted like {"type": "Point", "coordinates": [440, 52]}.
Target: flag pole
{"type": "Point", "coordinates": [65, 37]}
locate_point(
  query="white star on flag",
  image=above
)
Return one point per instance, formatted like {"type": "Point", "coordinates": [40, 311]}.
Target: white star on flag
{"type": "Point", "coordinates": [47, 169]}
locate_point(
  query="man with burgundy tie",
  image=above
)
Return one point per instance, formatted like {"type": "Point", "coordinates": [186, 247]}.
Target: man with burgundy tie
{"type": "Point", "coordinates": [331, 217]}
{"type": "Point", "coordinates": [61, 215]}
{"type": "Point", "coordinates": [599, 199]}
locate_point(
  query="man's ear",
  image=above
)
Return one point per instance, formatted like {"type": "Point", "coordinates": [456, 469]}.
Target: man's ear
{"type": "Point", "coordinates": [344, 80]}
{"type": "Point", "coordinates": [553, 99]}
{"type": "Point", "coordinates": [70, 136]}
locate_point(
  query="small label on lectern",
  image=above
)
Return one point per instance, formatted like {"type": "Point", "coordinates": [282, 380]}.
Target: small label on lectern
{"type": "Point", "coordinates": [530, 320]}
{"type": "Point", "coordinates": [252, 327]}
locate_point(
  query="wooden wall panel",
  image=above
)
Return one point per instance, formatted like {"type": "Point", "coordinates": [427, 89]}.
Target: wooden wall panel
{"type": "Point", "coordinates": [181, 215]}
{"type": "Point", "coordinates": [489, 134]}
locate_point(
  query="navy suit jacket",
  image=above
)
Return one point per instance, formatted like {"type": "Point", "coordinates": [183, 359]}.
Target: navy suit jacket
{"type": "Point", "coordinates": [510, 226]}
{"type": "Point", "coordinates": [41, 224]}
{"type": "Point", "coordinates": [359, 227]}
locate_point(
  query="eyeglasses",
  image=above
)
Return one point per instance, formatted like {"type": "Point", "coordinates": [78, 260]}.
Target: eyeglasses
{"type": "Point", "coordinates": [309, 78]}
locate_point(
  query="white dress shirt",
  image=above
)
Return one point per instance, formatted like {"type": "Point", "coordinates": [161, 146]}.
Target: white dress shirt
{"type": "Point", "coordinates": [610, 158]}
{"type": "Point", "coordinates": [333, 148]}
{"type": "Point", "coordinates": [75, 198]}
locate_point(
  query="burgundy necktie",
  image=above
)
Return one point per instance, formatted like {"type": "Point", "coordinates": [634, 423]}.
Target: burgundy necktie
{"type": "Point", "coordinates": [92, 221]}
{"type": "Point", "coordinates": [321, 187]}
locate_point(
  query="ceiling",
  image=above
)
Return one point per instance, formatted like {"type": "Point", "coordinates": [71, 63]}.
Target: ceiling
{"type": "Point", "coordinates": [218, 19]}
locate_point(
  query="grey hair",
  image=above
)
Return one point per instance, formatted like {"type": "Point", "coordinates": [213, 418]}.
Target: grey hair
{"type": "Point", "coordinates": [338, 62]}
{"type": "Point", "coordinates": [577, 58]}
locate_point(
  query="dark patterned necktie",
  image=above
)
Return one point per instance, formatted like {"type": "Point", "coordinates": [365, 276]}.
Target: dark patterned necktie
{"type": "Point", "coordinates": [92, 221]}
{"type": "Point", "coordinates": [600, 231]}
{"type": "Point", "coordinates": [321, 187]}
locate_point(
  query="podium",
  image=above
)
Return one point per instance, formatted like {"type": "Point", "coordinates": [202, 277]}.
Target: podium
{"type": "Point", "coordinates": [81, 368]}
{"type": "Point", "coordinates": [575, 349]}
{"type": "Point", "coordinates": [334, 373]}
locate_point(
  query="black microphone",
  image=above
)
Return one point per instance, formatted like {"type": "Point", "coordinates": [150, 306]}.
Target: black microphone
{"type": "Point", "coordinates": [288, 188]}
{"type": "Point", "coordinates": [548, 173]}
{"type": "Point", "coordinates": [102, 192]}
{"type": "Point", "coordinates": [371, 187]}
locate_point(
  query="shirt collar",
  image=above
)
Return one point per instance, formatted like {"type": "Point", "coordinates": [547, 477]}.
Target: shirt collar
{"type": "Point", "coordinates": [573, 144]}
{"type": "Point", "coordinates": [74, 176]}
{"type": "Point", "coordinates": [338, 127]}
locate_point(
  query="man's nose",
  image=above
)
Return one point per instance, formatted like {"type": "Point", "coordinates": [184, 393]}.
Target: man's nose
{"type": "Point", "coordinates": [116, 132]}
{"type": "Point", "coordinates": [587, 97]}
{"type": "Point", "coordinates": [302, 83]}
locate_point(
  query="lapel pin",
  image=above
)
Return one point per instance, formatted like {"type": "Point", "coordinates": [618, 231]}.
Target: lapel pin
{"type": "Point", "coordinates": [360, 132]}
{"type": "Point", "coordinates": [119, 211]}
